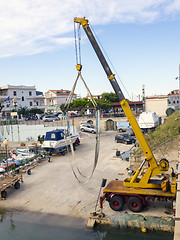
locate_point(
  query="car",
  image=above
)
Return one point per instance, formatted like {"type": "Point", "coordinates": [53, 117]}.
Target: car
{"type": "Point", "coordinates": [71, 115]}
{"type": "Point", "coordinates": [87, 127]}
{"type": "Point", "coordinates": [50, 118]}
{"type": "Point", "coordinates": [124, 138]}
{"type": "Point", "coordinates": [32, 117]}
{"type": "Point", "coordinates": [130, 132]}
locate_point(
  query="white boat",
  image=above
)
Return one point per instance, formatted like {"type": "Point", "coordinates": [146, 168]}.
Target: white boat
{"type": "Point", "coordinates": [58, 140]}
{"type": "Point", "coordinates": [25, 152]}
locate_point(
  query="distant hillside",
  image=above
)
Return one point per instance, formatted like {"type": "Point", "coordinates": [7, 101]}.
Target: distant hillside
{"type": "Point", "coordinates": [164, 132]}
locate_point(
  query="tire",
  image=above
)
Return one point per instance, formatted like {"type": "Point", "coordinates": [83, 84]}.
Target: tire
{"type": "Point", "coordinates": [135, 204]}
{"type": "Point", "coordinates": [82, 129]}
{"type": "Point", "coordinates": [29, 171]}
{"type": "Point", "coordinates": [116, 203]}
{"type": "Point", "coordinates": [62, 153]}
{"type": "Point", "coordinates": [3, 194]}
{"type": "Point", "coordinates": [92, 131]}
{"type": "Point", "coordinates": [17, 185]}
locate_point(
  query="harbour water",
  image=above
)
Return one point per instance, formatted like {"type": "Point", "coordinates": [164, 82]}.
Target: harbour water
{"type": "Point", "coordinates": [28, 226]}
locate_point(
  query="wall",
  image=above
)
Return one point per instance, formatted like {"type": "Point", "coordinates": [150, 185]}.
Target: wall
{"type": "Point", "coordinates": [158, 105]}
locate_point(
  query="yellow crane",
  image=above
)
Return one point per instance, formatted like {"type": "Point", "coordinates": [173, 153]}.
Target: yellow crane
{"type": "Point", "coordinates": [134, 189]}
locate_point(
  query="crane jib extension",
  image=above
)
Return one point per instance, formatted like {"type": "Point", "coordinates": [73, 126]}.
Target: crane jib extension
{"type": "Point", "coordinates": [154, 168]}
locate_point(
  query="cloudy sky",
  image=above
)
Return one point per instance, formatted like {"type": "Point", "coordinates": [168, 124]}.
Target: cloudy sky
{"type": "Point", "coordinates": [141, 38]}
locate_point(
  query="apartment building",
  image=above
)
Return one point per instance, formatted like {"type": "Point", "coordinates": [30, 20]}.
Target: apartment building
{"type": "Point", "coordinates": [20, 96]}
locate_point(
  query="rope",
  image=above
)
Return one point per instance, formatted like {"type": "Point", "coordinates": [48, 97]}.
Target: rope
{"type": "Point", "coordinates": [74, 166]}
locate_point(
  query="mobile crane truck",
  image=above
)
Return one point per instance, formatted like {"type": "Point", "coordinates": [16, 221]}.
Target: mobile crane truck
{"type": "Point", "coordinates": [134, 190]}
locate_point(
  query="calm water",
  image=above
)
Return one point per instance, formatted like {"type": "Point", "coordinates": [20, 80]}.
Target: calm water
{"type": "Point", "coordinates": [28, 226]}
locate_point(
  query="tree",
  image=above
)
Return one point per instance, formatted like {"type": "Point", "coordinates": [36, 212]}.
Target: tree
{"type": "Point", "coordinates": [111, 97]}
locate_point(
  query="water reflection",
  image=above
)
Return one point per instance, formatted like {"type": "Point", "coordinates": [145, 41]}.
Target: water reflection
{"type": "Point", "coordinates": [28, 226]}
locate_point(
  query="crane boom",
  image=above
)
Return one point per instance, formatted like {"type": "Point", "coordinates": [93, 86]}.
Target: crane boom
{"type": "Point", "coordinates": [154, 168]}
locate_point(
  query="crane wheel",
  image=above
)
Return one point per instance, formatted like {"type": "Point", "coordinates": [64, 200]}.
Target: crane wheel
{"type": "Point", "coordinates": [135, 204]}
{"type": "Point", "coordinates": [116, 203]}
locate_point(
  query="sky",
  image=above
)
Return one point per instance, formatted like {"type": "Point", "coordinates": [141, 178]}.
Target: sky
{"type": "Point", "coordinates": [141, 40]}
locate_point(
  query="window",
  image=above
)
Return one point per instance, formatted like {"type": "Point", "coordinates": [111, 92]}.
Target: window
{"type": "Point", "coordinates": [23, 99]}
{"type": "Point", "coordinates": [37, 104]}
{"type": "Point", "coordinates": [14, 93]}
{"type": "Point", "coordinates": [30, 93]}
{"type": "Point", "coordinates": [30, 104]}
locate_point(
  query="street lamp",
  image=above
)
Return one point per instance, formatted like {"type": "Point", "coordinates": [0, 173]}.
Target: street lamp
{"type": "Point", "coordinates": [6, 145]}
{"type": "Point", "coordinates": [15, 104]}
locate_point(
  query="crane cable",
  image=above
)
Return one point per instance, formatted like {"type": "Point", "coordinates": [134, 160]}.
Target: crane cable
{"type": "Point", "coordinates": [75, 169]}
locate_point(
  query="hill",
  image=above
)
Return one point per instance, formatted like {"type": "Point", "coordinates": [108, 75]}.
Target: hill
{"type": "Point", "coordinates": [164, 132]}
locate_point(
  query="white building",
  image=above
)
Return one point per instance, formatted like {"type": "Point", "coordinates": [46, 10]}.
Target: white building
{"type": "Point", "coordinates": [20, 96]}
{"type": "Point", "coordinates": [157, 104]}
{"type": "Point", "coordinates": [54, 99]}
{"type": "Point", "coordinates": [174, 99]}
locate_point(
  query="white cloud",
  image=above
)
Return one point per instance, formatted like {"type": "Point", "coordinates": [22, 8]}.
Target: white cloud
{"type": "Point", "coordinates": [33, 26]}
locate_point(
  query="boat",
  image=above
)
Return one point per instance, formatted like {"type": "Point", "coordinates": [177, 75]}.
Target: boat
{"type": "Point", "coordinates": [58, 140]}
{"type": "Point", "coordinates": [25, 152]}
{"type": "Point", "coordinates": [3, 165]}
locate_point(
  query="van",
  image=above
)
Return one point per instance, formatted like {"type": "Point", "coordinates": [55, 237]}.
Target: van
{"type": "Point", "coordinates": [123, 126]}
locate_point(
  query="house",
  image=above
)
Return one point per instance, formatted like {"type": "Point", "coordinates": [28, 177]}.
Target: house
{"type": "Point", "coordinates": [94, 96]}
{"type": "Point", "coordinates": [174, 99]}
{"type": "Point", "coordinates": [14, 97]}
{"type": "Point", "coordinates": [54, 99]}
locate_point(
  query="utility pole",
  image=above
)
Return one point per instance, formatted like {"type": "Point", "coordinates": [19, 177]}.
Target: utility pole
{"type": "Point", "coordinates": [179, 88]}
{"type": "Point", "coordinates": [143, 97]}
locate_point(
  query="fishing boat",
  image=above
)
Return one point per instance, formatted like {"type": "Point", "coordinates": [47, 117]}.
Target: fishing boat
{"type": "Point", "coordinates": [58, 140]}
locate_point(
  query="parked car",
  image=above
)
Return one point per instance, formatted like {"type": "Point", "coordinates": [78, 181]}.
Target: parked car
{"type": "Point", "coordinates": [50, 118]}
{"type": "Point", "coordinates": [87, 127]}
{"type": "Point", "coordinates": [130, 132]}
{"type": "Point", "coordinates": [124, 138]}
{"type": "Point", "coordinates": [71, 115]}
{"type": "Point", "coordinates": [32, 117]}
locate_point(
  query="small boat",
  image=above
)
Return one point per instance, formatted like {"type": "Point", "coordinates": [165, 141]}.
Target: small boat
{"type": "Point", "coordinates": [25, 152]}
{"type": "Point", "coordinates": [3, 165]}
{"type": "Point", "coordinates": [20, 158]}
{"type": "Point", "coordinates": [58, 140]}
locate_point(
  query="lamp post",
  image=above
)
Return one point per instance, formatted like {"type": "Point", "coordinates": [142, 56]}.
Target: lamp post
{"type": "Point", "coordinates": [15, 104]}
{"type": "Point", "coordinates": [6, 145]}
{"type": "Point", "coordinates": [179, 86]}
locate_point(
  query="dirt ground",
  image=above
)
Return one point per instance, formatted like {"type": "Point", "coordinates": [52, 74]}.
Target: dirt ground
{"type": "Point", "coordinates": [52, 187]}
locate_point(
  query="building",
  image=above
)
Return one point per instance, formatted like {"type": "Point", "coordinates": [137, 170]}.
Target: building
{"type": "Point", "coordinates": [94, 96]}
{"type": "Point", "coordinates": [15, 97]}
{"type": "Point", "coordinates": [54, 99]}
{"type": "Point", "coordinates": [136, 107]}
{"type": "Point", "coordinates": [157, 104]}
{"type": "Point", "coordinates": [174, 99]}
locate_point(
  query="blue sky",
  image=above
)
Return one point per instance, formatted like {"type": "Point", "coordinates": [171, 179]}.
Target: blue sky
{"type": "Point", "coordinates": [141, 38]}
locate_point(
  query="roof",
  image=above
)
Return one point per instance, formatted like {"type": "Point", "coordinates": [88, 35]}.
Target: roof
{"type": "Point", "coordinates": [61, 92]}
{"type": "Point", "coordinates": [130, 103]}
{"type": "Point", "coordinates": [157, 97]}
{"type": "Point", "coordinates": [174, 93]}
